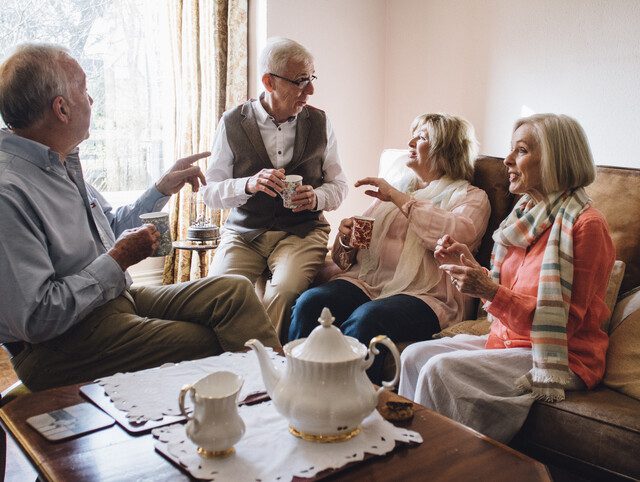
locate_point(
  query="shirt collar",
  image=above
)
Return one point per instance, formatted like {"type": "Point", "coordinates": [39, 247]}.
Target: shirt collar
{"type": "Point", "coordinates": [31, 151]}
{"type": "Point", "coordinates": [262, 114]}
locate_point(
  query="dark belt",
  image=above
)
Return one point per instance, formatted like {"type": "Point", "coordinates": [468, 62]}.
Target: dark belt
{"type": "Point", "coordinates": [15, 347]}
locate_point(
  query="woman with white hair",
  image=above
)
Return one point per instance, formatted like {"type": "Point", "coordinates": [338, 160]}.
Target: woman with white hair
{"type": "Point", "coordinates": [394, 288]}
{"type": "Point", "coordinates": [545, 293]}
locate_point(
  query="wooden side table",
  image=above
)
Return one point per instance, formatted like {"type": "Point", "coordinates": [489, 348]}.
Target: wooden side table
{"type": "Point", "coordinates": [201, 248]}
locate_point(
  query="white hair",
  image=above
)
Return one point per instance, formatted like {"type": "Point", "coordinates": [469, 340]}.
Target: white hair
{"type": "Point", "coordinates": [30, 78]}
{"type": "Point", "coordinates": [278, 52]}
{"type": "Point", "coordinates": [566, 161]}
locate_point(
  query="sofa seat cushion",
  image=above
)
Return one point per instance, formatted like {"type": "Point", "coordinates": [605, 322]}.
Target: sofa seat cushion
{"type": "Point", "coordinates": [601, 427]}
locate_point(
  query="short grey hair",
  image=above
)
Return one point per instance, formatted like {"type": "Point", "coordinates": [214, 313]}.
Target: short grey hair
{"type": "Point", "coordinates": [566, 161]}
{"type": "Point", "coordinates": [30, 78]}
{"type": "Point", "coordinates": [453, 144]}
{"type": "Point", "coordinates": [278, 52]}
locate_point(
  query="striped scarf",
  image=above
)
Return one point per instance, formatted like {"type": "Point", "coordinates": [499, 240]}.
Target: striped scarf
{"type": "Point", "coordinates": [524, 225]}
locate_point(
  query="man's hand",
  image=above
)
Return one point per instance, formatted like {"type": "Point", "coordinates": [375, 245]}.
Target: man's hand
{"type": "Point", "coordinates": [269, 181]}
{"type": "Point", "coordinates": [305, 198]}
{"type": "Point", "coordinates": [134, 245]}
{"type": "Point", "coordinates": [182, 172]}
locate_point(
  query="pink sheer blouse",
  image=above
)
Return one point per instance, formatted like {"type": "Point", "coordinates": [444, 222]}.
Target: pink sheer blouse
{"type": "Point", "coordinates": [466, 223]}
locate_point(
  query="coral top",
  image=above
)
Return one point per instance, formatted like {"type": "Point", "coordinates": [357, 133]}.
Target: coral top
{"type": "Point", "coordinates": [515, 301]}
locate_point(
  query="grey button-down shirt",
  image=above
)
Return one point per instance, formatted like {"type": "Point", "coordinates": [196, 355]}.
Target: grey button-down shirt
{"type": "Point", "coordinates": [55, 231]}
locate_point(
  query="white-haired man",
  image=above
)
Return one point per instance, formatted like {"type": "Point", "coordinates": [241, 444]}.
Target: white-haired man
{"type": "Point", "coordinates": [68, 313]}
{"type": "Point", "coordinates": [257, 144]}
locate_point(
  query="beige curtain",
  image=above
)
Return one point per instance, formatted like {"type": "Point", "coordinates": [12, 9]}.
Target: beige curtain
{"type": "Point", "coordinates": [209, 57]}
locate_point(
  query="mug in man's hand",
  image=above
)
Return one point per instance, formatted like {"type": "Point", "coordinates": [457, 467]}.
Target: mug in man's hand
{"type": "Point", "coordinates": [291, 182]}
{"type": "Point", "coordinates": [161, 221]}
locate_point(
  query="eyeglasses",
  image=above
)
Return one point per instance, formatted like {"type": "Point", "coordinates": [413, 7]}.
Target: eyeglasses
{"type": "Point", "coordinates": [300, 83]}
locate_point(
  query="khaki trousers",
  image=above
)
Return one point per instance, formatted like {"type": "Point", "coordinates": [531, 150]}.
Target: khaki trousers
{"type": "Point", "coordinates": [293, 262]}
{"type": "Point", "coordinates": [162, 324]}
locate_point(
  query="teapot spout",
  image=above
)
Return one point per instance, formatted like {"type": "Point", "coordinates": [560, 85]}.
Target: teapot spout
{"type": "Point", "coordinates": [270, 374]}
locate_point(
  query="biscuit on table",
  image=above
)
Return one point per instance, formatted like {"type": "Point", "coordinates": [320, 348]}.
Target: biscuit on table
{"type": "Point", "coordinates": [395, 411]}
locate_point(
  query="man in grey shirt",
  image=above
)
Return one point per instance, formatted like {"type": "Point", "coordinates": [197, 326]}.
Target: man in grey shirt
{"type": "Point", "coordinates": [67, 311]}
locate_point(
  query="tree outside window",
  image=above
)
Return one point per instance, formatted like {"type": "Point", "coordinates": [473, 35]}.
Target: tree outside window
{"type": "Point", "coordinates": [123, 47]}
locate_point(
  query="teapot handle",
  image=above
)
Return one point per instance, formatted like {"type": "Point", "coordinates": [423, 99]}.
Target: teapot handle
{"type": "Point", "coordinates": [183, 392]}
{"type": "Point", "coordinates": [386, 341]}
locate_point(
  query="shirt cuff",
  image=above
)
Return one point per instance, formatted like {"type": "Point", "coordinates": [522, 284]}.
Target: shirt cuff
{"type": "Point", "coordinates": [321, 200]}
{"type": "Point", "coordinates": [239, 192]}
{"type": "Point", "coordinates": [153, 200]}
{"type": "Point", "coordinates": [500, 303]}
{"type": "Point", "coordinates": [406, 207]}
{"type": "Point", "coordinates": [109, 275]}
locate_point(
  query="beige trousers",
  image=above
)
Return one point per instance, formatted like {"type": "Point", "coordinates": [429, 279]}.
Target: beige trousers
{"type": "Point", "coordinates": [163, 324]}
{"type": "Point", "coordinates": [293, 262]}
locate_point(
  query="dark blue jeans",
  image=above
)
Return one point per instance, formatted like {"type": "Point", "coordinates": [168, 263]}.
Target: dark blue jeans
{"type": "Point", "coordinates": [400, 317]}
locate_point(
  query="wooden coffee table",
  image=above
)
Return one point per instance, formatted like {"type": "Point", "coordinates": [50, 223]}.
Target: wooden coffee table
{"type": "Point", "coordinates": [449, 452]}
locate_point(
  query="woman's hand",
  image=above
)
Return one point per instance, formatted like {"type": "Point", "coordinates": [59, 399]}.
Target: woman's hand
{"type": "Point", "coordinates": [466, 273]}
{"type": "Point", "coordinates": [449, 251]}
{"type": "Point", "coordinates": [346, 225]}
{"type": "Point", "coordinates": [386, 192]}
{"type": "Point", "coordinates": [471, 279]}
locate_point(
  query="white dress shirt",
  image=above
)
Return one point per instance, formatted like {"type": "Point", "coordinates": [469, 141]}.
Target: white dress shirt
{"type": "Point", "coordinates": [223, 191]}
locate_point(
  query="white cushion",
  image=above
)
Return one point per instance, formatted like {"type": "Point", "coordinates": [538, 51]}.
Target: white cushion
{"type": "Point", "coordinates": [393, 166]}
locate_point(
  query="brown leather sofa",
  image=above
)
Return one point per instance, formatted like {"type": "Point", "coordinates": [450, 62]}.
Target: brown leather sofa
{"type": "Point", "coordinates": [596, 434]}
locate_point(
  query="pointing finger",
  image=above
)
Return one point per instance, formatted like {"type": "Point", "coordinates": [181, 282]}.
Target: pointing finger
{"type": "Point", "coordinates": [185, 161]}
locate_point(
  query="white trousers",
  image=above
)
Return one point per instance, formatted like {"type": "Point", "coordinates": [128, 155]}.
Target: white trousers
{"type": "Point", "coordinates": [462, 380]}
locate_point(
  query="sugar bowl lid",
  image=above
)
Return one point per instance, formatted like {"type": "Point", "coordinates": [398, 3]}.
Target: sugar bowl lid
{"type": "Point", "coordinates": [326, 343]}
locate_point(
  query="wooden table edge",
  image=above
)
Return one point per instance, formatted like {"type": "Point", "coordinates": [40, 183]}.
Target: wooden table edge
{"type": "Point", "coordinates": [12, 431]}
{"type": "Point", "coordinates": [40, 461]}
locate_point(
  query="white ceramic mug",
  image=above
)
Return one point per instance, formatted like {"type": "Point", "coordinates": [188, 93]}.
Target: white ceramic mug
{"type": "Point", "coordinates": [291, 182]}
{"type": "Point", "coordinates": [216, 425]}
{"type": "Point", "coordinates": [161, 221]}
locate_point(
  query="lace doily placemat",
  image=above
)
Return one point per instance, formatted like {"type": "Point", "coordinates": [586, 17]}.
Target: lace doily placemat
{"type": "Point", "coordinates": [268, 452]}
{"type": "Point", "coordinates": [152, 394]}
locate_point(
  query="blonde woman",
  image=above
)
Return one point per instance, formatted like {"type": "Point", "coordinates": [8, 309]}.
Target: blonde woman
{"type": "Point", "coordinates": [395, 287]}
{"type": "Point", "coordinates": [545, 293]}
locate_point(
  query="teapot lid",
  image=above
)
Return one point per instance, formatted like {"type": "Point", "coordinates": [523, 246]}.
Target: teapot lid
{"type": "Point", "coordinates": [326, 343]}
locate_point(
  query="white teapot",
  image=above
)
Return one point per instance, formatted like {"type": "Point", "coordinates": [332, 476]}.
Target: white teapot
{"type": "Point", "coordinates": [324, 391]}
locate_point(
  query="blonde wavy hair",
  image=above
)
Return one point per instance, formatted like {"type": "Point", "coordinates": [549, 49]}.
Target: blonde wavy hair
{"type": "Point", "coordinates": [453, 144]}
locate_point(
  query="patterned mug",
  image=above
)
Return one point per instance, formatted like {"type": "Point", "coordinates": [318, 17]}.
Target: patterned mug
{"type": "Point", "coordinates": [161, 221]}
{"type": "Point", "coordinates": [361, 232]}
{"type": "Point", "coordinates": [292, 181]}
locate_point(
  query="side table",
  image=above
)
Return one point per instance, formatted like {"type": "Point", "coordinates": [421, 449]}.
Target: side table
{"type": "Point", "coordinates": [201, 247]}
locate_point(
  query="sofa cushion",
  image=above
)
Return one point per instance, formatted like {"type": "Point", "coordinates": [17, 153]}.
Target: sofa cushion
{"type": "Point", "coordinates": [481, 326]}
{"type": "Point", "coordinates": [490, 174]}
{"type": "Point", "coordinates": [616, 193]}
{"type": "Point", "coordinates": [615, 280]}
{"type": "Point", "coordinates": [623, 356]}
{"type": "Point", "coordinates": [600, 426]}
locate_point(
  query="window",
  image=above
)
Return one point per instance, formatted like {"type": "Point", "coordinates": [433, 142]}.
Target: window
{"type": "Point", "coordinates": [123, 47]}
